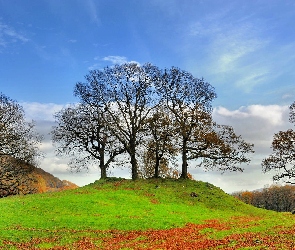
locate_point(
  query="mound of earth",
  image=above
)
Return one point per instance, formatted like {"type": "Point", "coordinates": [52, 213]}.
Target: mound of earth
{"type": "Point", "coordinates": [18, 177]}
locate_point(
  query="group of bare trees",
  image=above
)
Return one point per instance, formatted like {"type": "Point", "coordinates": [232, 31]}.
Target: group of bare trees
{"type": "Point", "coordinates": [149, 115]}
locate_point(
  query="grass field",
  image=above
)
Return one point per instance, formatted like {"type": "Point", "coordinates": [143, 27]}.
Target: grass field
{"type": "Point", "coordinates": [144, 214]}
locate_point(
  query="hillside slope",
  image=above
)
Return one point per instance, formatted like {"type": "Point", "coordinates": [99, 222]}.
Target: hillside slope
{"type": "Point", "coordinates": [17, 177]}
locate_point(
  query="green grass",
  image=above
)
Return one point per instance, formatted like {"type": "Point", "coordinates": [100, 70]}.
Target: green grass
{"type": "Point", "coordinates": [91, 211]}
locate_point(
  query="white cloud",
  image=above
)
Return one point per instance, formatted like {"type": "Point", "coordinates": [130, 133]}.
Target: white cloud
{"type": "Point", "coordinates": [118, 60]}
{"type": "Point", "coordinates": [256, 124]}
{"type": "Point", "coordinates": [272, 114]}
{"type": "Point", "coordinates": [41, 111]}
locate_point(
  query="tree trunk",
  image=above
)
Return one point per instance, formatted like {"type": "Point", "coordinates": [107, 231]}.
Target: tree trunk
{"type": "Point", "coordinates": [157, 165]}
{"type": "Point", "coordinates": [133, 161]}
{"type": "Point", "coordinates": [184, 161]}
{"type": "Point", "coordinates": [102, 166]}
{"type": "Point", "coordinates": [103, 172]}
{"type": "Point", "coordinates": [134, 169]}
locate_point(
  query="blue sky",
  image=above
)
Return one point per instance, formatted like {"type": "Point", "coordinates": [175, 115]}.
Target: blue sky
{"type": "Point", "coordinates": [245, 49]}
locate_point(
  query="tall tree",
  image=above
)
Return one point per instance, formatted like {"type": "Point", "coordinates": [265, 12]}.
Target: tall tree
{"type": "Point", "coordinates": [282, 159]}
{"type": "Point", "coordinates": [189, 100]}
{"type": "Point", "coordinates": [184, 96]}
{"type": "Point", "coordinates": [82, 133]}
{"type": "Point", "coordinates": [128, 94]}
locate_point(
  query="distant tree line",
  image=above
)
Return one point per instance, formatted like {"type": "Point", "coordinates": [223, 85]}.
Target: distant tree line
{"type": "Point", "coordinates": [151, 117]}
{"type": "Point", "coordinates": [275, 197]}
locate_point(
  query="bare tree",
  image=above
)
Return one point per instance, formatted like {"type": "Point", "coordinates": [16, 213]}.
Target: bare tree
{"type": "Point", "coordinates": [128, 94]}
{"type": "Point", "coordinates": [132, 96]}
{"type": "Point", "coordinates": [184, 95]}
{"type": "Point", "coordinates": [82, 133]}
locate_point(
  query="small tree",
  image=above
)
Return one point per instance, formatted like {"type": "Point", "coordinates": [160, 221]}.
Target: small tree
{"type": "Point", "coordinates": [165, 168]}
{"type": "Point", "coordinates": [161, 144]}
{"type": "Point", "coordinates": [82, 133]}
{"type": "Point", "coordinates": [282, 160]}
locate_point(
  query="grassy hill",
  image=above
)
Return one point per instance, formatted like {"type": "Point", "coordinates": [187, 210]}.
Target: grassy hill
{"type": "Point", "coordinates": [144, 214]}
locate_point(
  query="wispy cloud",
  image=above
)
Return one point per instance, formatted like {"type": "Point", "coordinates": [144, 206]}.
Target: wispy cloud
{"type": "Point", "coordinates": [92, 10]}
{"type": "Point", "coordinates": [113, 59]}
{"type": "Point", "coordinates": [9, 35]}
{"type": "Point", "coordinates": [235, 49]}
{"type": "Point", "coordinates": [118, 60]}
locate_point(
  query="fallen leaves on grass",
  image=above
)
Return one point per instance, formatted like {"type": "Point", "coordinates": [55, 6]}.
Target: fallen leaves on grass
{"type": "Point", "coordinates": [191, 236]}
